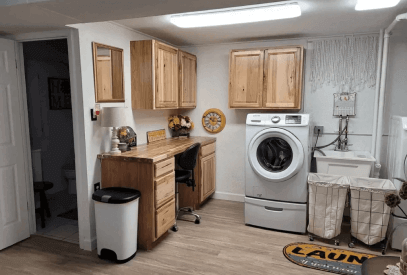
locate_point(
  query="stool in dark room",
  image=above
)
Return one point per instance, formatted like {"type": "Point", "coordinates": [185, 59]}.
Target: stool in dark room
{"type": "Point", "coordinates": [377, 265]}
{"type": "Point", "coordinates": [40, 187]}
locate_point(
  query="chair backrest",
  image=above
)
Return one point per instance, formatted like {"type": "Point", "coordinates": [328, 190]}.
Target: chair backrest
{"type": "Point", "coordinates": [187, 160]}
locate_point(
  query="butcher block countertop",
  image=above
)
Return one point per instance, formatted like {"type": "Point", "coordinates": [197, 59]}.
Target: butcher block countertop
{"type": "Point", "coordinates": [159, 150]}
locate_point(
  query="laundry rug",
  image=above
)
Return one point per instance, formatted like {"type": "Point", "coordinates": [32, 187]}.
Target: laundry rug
{"type": "Point", "coordinates": [71, 214]}
{"type": "Point", "coordinates": [326, 258]}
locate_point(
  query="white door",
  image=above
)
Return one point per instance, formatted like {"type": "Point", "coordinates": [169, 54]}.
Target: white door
{"type": "Point", "coordinates": [14, 225]}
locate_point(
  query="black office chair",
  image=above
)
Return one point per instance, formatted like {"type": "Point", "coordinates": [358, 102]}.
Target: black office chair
{"type": "Point", "coordinates": [187, 161]}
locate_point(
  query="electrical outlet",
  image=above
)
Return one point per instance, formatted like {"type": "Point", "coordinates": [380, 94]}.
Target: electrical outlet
{"type": "Point", "coordinates": [97, 186]}
{"type": "Point", "coordinates": [320, 128]}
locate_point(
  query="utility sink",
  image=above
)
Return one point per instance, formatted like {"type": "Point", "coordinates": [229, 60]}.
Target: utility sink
{"type": "Point", "coordinates": [351, 163]}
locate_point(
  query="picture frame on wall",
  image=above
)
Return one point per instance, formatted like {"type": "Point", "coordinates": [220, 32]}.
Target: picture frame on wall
{"type": "Point", "coordinates": [59, 93]}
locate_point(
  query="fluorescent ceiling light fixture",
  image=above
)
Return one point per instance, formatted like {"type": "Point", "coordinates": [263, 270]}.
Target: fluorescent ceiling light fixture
{"type": "Point", "coordinates": [239, 15]}
{"type": "Point", "coordinates": [375, 4]}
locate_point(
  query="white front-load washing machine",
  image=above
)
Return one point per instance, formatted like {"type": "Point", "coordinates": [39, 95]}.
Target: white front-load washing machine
{"type": "Point", "coordinates": [277, 165]}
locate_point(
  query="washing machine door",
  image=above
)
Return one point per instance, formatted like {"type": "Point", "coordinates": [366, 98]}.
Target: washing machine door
{"type": "Point", "coordinates": [275, 154]}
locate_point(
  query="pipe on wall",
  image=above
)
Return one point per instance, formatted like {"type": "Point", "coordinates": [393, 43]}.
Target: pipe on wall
{"type": "Point", "coordinates": [379, 134]}
{"type": "Point", "coordinates": [377, 92]}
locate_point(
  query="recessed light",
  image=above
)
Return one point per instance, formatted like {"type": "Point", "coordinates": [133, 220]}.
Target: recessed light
{"type": "Point", "coordinates": [236, 15]}
{"type": "Point", "coordinates": [375, 4]}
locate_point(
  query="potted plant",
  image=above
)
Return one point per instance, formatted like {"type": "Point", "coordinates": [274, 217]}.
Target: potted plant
{"type": "Point", "coordinates": [180, 125]}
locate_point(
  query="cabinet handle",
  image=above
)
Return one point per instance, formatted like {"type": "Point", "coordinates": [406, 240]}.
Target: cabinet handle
{"type": "Point", "coordinates": [274, 209]}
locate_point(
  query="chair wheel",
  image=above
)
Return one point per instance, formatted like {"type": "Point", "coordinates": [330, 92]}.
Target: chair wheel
{"type": "Point", "coordinates": [336, 242]}
{"type": "Point", "coordinates": [197, 221]}
{"type": "Point", "coordinates": [311, 238]}
{"type": "Point", "coordinates": [351, 245]}
{"type": "Point", "coordinates": [174, 228]}
{"type": "Point", "coordinates": [383, 251]}
{"type": "Point", "coordinates": [190, 210]}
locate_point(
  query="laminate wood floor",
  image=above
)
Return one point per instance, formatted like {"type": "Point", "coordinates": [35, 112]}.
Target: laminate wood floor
{"type": "Point", "coordinates": [221, 244]}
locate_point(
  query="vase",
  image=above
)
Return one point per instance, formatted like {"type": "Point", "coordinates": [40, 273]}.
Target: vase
{"type": "Point", "coordinates": [180, 133]}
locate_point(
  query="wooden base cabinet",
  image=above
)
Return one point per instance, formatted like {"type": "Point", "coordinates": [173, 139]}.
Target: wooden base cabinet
{"type": "Point", "coordinates": [208, 176]}
{"type": "Point", "coordinates": [156, 182]}
{"type": "Point", "coordinates": [149, 168]}
{"type": "Point", "coordinates": [266, 78]}
{"type": "Point", "coordinates": [205, 179]}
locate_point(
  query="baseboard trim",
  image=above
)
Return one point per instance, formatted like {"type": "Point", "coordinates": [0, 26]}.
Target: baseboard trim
{"type": "Point", "coordinates": [88, 245]}
{"type": "Point", "coordinates": [228, 196]}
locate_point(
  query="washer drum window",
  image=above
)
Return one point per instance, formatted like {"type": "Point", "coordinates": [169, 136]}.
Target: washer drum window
{"type": "Point", "coordinates": [275, 154]}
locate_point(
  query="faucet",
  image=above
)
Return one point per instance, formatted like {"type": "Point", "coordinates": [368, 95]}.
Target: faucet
{"type": "Point", "coordinates": [343, 143]}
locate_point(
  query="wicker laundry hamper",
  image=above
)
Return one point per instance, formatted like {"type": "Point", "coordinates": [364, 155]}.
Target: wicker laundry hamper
{"type": "Point", "coordinates": [327, 198]}
{"type": "Point", "coordinates": [369, 213]}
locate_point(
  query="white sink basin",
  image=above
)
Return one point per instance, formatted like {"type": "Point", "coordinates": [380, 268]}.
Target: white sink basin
{"type": "Point", "coordinates": [351, 163]}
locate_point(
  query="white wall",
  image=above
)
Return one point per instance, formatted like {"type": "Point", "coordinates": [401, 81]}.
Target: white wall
{"type": "Point", "coordinates": [396, 85]}
{"type": "Point", "coordinates": [213, 76]}
{"type": "Point", "coordinates": [212, 80]}
{"type": "Point", "coordinates": [97, 137]}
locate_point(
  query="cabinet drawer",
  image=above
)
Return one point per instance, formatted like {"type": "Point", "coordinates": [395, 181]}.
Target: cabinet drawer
{"type": "Point", "coordinates": [208, 149]}
{"type": "Point", "coordinates": [164, 189]}
{"type": "Point", "coordinates": [163, 167]}
{"type": "Point", "coordinates": [164, 218]}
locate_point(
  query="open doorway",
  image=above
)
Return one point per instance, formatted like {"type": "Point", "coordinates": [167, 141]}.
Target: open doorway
{"type": "Point", "coordinates": [49, 105]}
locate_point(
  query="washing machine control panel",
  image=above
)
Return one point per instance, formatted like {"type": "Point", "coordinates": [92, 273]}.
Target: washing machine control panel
{"type": "Point", "coordinates": [275, 119]}
{"type": "Point", "coordinates": [293, 120]}
{"type": "Point", "coordinates": [289, 120]}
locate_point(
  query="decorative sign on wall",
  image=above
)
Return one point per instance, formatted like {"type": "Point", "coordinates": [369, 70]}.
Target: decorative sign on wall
{"type": "Point", "coordinates": [344, 104]}
{"type": "Point", "coordinates": [155, 135]}
{"type": "Point", "coordinates": [59, 93]}
{"type": "Point", "coordinates": [348, 63]}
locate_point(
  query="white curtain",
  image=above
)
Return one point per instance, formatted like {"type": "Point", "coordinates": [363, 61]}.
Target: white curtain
{"type": "Point", "coordinates": [348, 63]}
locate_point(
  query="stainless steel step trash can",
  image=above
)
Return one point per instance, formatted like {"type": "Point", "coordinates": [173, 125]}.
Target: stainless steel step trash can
{"type": "Point", "coordinates": [116, 212]}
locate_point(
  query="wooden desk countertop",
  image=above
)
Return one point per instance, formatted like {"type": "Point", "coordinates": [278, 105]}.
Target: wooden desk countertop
{"type": "Point", "coordinates": [159, 150]}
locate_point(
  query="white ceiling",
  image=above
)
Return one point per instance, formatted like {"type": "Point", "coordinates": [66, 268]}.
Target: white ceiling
{"type": "Point", "coordinates": [17, 17]}
{"type": "Point", "coordinates": [319, 17]}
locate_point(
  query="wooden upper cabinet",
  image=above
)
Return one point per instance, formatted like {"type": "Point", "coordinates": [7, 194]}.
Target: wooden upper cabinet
{"type": "Point", "coordinates": [166, 76]}
{"type": "Point", "coordinates": [187, 80]}
{"type": "Point", "coordinates": [154, 75]}
{"type": "Point", "coordinates": [283, 78]}
{"type": "Point", "coordinates": [246, 79]}
{"type": "Point", "coordinates": [278, 84]}
{"type": "Point", "coordinates": [162, 77]}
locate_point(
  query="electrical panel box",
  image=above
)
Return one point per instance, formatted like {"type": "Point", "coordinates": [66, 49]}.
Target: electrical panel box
{"type": "Point", "coordinates": [344, 104]}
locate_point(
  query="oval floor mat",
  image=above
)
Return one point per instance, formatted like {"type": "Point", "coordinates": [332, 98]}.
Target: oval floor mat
{"type": "Point", "coordinates": [326, 258]}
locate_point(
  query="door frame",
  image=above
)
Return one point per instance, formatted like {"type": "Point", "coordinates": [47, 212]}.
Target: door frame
{"type": "Point", "coordinates": [78, 126]}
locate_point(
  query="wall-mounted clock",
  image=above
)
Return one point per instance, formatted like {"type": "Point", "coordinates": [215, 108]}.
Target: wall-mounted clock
{"type": "Point", "coordinates": [213, 120]}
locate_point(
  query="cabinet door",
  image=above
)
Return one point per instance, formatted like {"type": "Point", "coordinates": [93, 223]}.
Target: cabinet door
{"type": "Point", "coordinates": [208, 176]}
{"type": "Point", "coordinates": [187, 80]}
{"type": "Point", "coordinates": [246, 79]}
{"type": "Point", "coordinates": [166, 76]}
{"type": "Point", "coordinates": [283, 78]}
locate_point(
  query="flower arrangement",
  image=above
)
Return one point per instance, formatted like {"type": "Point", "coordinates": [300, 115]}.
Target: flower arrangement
{"type": "Point", "coordinates": [180, 124]}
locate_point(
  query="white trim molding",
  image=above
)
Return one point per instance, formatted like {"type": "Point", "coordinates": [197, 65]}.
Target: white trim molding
{"type": "Point", "coordinates": [26, 135]}
{"type": "Point", "coordinates": [88, 244]}
{"type": "Point", "coordinates": [228, 196]}
{"type": "Point", "coordinates": [87, 236]}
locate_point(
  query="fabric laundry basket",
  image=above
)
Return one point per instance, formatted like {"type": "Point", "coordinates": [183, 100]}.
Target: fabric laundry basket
{"type": "Point", "coordinates": [369, 213]}
{"type": "Point", "coordinates": [327, 197]}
